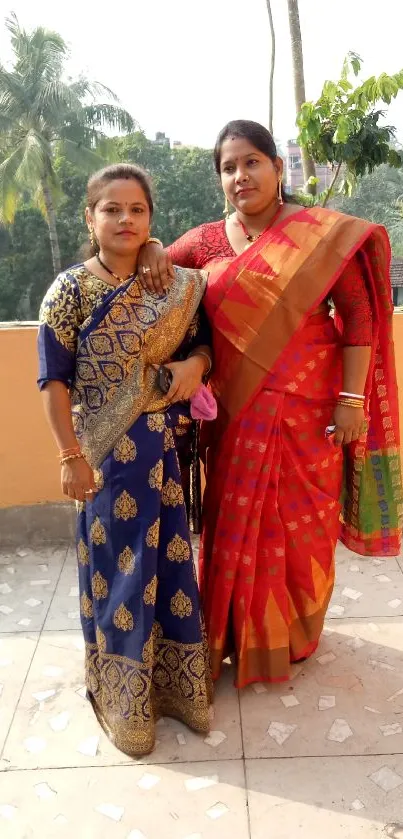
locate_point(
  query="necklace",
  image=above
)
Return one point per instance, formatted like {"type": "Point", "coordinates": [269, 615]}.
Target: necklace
{"type": "Point", "coordinates": [251, 239]}
{"type": "Point", "coordinates": [118, 279]}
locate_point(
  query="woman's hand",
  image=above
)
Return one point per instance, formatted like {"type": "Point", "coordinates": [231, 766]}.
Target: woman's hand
{"type": "Point", "coordinates": [78, 480]}
{"type": "Point", "coordinates": [350, 424]}
{"type": "Point", "coordinates": [155, 269]}
{"type": "Point", "coordinates": [187, 378]}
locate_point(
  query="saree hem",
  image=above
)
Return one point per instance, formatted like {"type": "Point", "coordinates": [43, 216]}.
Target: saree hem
{"type": "Point", "coordinates": [128, 701]}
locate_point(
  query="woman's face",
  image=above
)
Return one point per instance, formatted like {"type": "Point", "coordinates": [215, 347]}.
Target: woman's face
{"type": "Point", "coordinates": [249, 178]}
{"type": "Point", "coordinates": [121, 218]}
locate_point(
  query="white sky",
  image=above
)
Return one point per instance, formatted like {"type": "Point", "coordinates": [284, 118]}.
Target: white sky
{"type": "Point", "coordinates": [187, 67]}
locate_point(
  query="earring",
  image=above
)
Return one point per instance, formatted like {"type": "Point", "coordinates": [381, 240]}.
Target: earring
{"type": "Point", "coordinates": [280, 192]}
{"type": "Point", "coordinates": [226, 208]}
{"type": "Point", "coordinates": [93, 240]}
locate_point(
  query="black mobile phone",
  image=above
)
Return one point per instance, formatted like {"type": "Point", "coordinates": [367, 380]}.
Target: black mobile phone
{"type": "Point", "coordinates": [164, 379]}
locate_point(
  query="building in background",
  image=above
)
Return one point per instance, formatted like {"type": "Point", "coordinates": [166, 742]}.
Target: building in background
{"type": "Point", "coordinates": [294, 176]}
{"type": "Point", "coordinates": [396, 278]}
{"type": "Point", "coordinates": [161, 139]}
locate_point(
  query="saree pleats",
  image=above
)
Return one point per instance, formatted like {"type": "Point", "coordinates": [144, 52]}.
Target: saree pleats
{"type": "Point", "coordinates": [279, 493]}
{"type": "Point", "coordinates": [145, 645]}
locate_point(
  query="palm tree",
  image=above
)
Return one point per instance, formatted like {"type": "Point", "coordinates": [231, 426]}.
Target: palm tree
{"type": "Point", "coordinates": [308, 164]}
{"type": "Point", "coordinates": [41, 114]}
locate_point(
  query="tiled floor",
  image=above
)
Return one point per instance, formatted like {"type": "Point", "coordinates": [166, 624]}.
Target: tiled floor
{"type": "Point", "coordinates": [322, 755]}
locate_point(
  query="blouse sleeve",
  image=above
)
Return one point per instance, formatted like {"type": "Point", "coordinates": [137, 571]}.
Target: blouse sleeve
{"type": "Point", "coordinates": [353, 305]}
{"type": "Point", "coordinates": [186, 251]}
{"type": "Point", "coordinates": [60, 318]}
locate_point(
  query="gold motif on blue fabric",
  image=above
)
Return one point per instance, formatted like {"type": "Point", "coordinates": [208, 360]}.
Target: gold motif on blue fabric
{"type": "Point", "coordinates": [70, 300]}
{"type": "Point", "coordinates": [156, 422]}
{"type": "Point", "coordinates": [153, 535]}
{"type": "Point", "coordinates": [150, 592]}
{"type": "Point", "coordinates": [125, 507]}
{"type": "Point", "coordinates": [156, 475]}
{"type": "Point", "coordinates": [123, 619]}
{"type": "Point", "coordinates": [125, 450]}
{"type": "Point", "coordinates": [97, 532]}
{"type": "Point", "coordinates": [178, 549]}
{"type": "Point", "coordinates": [126, 561]}
{"type": "Point", "coordinates": [169, 442]}
{"type": "Point", "coordinates": [135, 333]}
{"type": "Point", "coordinates": [86, 606]}
{"type": "Point", "coordinates": [101, 640]}
{"type": "Point", "coordinates": [99, 586]}
{"type": "Point", "coordinates": [181, 605]}
{"type": "Point", "coordinates": [99, 479]}
{"type": "Point", "coordinates": [172, 494]}
{"type": "Point", "coordinates": [83, 553]}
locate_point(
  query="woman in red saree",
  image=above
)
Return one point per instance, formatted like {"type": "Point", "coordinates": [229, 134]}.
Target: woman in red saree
{"type": "Point", "coordinates": [280, 491]}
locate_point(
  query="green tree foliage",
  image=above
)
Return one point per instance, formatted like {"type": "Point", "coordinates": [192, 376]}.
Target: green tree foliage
{"type": "Point", "coordinates": [41, 113]}
{"type": "Point", "coordinates": [187, 193]}
{"type": "Point", "coordinates": [343, 127]}
{"type": "Point", "coordinates": [379, 198]}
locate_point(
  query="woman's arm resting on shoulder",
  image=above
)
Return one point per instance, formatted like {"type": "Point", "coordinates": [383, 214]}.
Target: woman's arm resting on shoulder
{"type": "Point", "coordinates": [155, 269]}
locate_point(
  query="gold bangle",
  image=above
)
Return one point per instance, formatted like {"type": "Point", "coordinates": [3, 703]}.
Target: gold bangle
{"type": "Point", "coordinates": [153, 241]}
{"type": "Point", "coordinates": [70, 457]}
{"type": "Point", "coordinates": [72, 450]}
{"type": "Point", "coordinates": [349, 404]}
{"type": "Point", "coordinates": [204, 355]}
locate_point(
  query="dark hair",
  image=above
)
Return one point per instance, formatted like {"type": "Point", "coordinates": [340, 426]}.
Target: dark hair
{"type": "Point", "coordinates": [118, 172]}
{"type": "Point", "coordinates": [257, 134]}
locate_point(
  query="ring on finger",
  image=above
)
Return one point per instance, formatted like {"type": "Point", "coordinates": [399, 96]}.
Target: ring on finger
{"type": "Point", "coordinates": [146, 270]}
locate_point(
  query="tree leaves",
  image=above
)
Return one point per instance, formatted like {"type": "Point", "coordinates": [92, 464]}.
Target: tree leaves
{"type": "Point", "coordinates": [343, 126]}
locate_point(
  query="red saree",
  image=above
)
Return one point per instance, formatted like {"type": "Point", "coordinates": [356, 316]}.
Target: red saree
{"type": "Point", "coordinates": [277, 496]}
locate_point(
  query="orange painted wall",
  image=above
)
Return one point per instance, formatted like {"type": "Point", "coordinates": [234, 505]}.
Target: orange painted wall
{"type": "Point", "coordinates": [29, 470]}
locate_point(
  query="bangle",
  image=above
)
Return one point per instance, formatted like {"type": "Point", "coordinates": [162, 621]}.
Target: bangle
{"type": "Point", "coordinates": [204, 355]}
{"type": "Point", "coordinates": [350, 403]}
{"type": "Point", "coordinates": [353, 395]}
{"type": "Point", "coordinates": [73, 450]}
{"type": "Point", "coordinates": [69, 457]}
{"type": "Point", "coordinates": [153, 241]}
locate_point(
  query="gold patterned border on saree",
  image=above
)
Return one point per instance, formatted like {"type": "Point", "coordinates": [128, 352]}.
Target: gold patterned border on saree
{"type": "Point", "coordinates": [272, 288]}
{"type": "Point", "coordinates": [115, 378]}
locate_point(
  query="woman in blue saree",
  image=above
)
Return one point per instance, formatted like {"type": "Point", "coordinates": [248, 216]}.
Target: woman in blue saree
{"type": "Point", "coordinates": [125, 449]}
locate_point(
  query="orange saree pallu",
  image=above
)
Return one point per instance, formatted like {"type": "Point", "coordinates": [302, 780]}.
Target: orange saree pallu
{"type": "Point", "coordinates": [279, 494]}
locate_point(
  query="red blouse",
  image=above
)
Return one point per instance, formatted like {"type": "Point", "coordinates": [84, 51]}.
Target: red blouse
{"type": "Point", "coordinates": [209, 243]}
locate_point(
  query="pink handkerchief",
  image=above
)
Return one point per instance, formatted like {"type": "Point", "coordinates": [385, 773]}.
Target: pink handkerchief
{"type": "Point", "coordinates": [203, 405]}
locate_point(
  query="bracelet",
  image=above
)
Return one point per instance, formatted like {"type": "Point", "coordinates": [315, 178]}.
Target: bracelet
{"type": "Point", "coordinates": [204, 355]}
{"type": "Point", "coordinates": [71, 457]}
{"type": "Point", "coordinates": [353, 395]}
{"type": "Point", "coordinates": [72, 450]}
{"type": "Point", "coordinates": [350, 403]}
{"type": "Point", "coordinates": [153, 241]}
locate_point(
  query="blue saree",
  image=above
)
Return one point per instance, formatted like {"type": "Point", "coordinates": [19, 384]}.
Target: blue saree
{"type": "Point", "coordinates": [146, 653]}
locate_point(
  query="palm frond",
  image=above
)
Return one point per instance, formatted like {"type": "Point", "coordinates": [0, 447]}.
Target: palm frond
{"type": "Point", "coordinates": [36, 161]}
{"type": "Point", "coordinates": [86, 159]}
{"type": "Point", "coordinates": [87, 89]}
{"type": "Point", "coordinates": [13, 92]}
{"type": "Point", "coordinates": [109, 116]}
{"type": "Point", "coordinates": [9, 193]}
